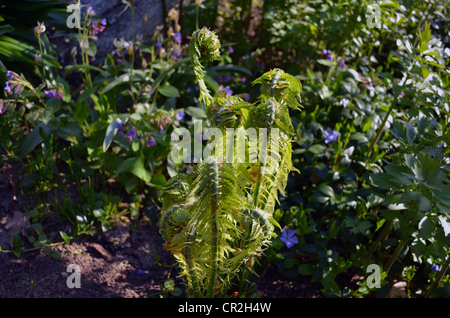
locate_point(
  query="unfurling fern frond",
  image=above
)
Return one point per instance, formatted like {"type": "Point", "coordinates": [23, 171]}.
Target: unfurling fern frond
{"type": "Point", "coordinates": [218, 220]}
{"type": "Point", "coordinates": [281, 86]}
{"type": "Point", "coordinates": [205, 47]}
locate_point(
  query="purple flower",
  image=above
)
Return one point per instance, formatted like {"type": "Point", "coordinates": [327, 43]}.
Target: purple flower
{"type": "Point", "coordinates": [132, 133]}
{"type": "Point", "coordinates": [180, 115]}
{"type": "Point", "coordinates": [119, 126]}
{"type": "Point", "coordinates": [227, 78]}
{"type": "Point", "coordinates": [246, 97]}
{"type": "Point", "coordinates": [103, 21]}
{"type": "Point", "coordinates": [49, 94]}
{"type": "Point", "coordinates": [289, 238]}
{"type": "Point", "coordinates": [9, 74]}
{"type": "Point", "coordinates": [331, 135]}
{"type": "Point", "coordinates": [341, 63]}
{"type": "Point", "coordinates": [230, 49]}
{"type": "Point", "coordinates": [150, 143]}
{"type": "Point", "coordinates": [244, 79]}
{"type": "Point", "coordinates": [158, 45]}
{"type": "Point", "coordinates": [94, 23]}
{"type": "Point", "coordinates": [228, 91]}
{"type": "Point", "coordinates": [329, 54]}
{"type": "Point", "coordinates": [435, 268]}
{"type": "Point", "coordinates": [90, 11]}
{"type": "Point", "coordinates": [177, 37]}
{"type": "Point", "coordinates": [7, 88]}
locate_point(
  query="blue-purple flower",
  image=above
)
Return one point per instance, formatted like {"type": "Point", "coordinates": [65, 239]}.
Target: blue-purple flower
{"type": "Point", "coordinates": [177, 37]}
{"type": "Point", "coordinates": [435, 268]}
{"type": "Point", "coordinates": [7, 87]}
{"type": "Point", "coordinates": [289, 238]}
{"type": "Point", "coordinates": [228, 91]}
{"type": "Point", "coordinates": [150, 143]}
{"type": "Point", "coordinates": [180, 115]}
{"type": "Point", "coordinates": [341, 63]}
{"type": "Point", "coordinates": [230, 49]}
{"type": "Point", "coordinates": [9, 74]}
{"type": "Point", "coordinates": [90, 11]}
{"type": "Point", "coordinates": [328, 54]}
{"type": "Point", "coordinates": [132, 133]}
{"type": "Point", "coordinates": [331, 135]}
{"type": "Point", "coordinates": [49, 94]}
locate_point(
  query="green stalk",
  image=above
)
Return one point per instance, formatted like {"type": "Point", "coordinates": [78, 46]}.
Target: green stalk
{"type": "Point", "coordinates": [438, 279]}
{"type": "Point", "coordinates": [214, 228]}
{"type": "Point", "coordinates": [383, 123]}
{"type": "Point", "coordinates": [187, 255]}
{"type": "Point", "coordinates": [396, 252]}
{"type": "Point", "coordinates": [385, 232]}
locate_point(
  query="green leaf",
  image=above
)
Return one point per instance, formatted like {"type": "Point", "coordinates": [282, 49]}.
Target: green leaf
{"type": "Point", "coordinates": [17, 244]}
{"type": "Point", "coordinates": [426, 228]}
{"type": "Point", "coordinates": [65, 237]}
{"type": "Point", "coordinates": [231, 68]}
{"type": "Point", "coordinates": [411, 133]}
{"type": "Point", "coordinates": [111, 131]}
{"type": "Point", "coordinates": [169, 91]}
{"type": "Point", "coordinates": [326, 190]}
{"type": "Point", "coordinates": [196, 112]}
{"type": "Point", "coordinates": [305, 269]}
{"type": "Point", "coordinates": [424, 204]}
{"type": "Point", "coordinates": [326, 62]}
{"type": "Point", "coordinates": [33, 139]}
{"type": "Point", "coordinates": [137, 167]}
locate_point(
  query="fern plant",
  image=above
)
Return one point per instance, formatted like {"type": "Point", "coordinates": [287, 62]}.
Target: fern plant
{"type": "Point", "coordinates": [217, 220]}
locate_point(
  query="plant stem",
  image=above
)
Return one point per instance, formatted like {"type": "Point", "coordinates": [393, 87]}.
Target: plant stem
{"type": "Point", "coordinates": [438, 278]}
{"type": "Point", "coordinates": [214, 228]}
{"type": "Point", "coordinates": [187, 255]}
{"type": "Point", "coordinates": [396, 252]}
{"type": "Point", "coordinates": [383, 123]}
{"type": "Point", "coordinates": [384, 233]}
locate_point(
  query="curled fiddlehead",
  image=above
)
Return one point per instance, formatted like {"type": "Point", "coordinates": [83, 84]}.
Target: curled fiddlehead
{"type": "Point", "coordinates": [205, 47]}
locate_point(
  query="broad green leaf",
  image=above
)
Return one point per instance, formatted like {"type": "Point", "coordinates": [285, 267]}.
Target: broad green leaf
{"type": "Point", "coordinates": [136, 166]}
{"type": "Point", "coordinates": [111, 131]}
{"type": "Point", "coordinates": [33, 139]}
{"type": "Point", "coordinates": [169, 91]}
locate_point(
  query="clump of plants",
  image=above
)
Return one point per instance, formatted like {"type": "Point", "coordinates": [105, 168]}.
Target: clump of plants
{"type": "Point", "coordinates": [218, 219]}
